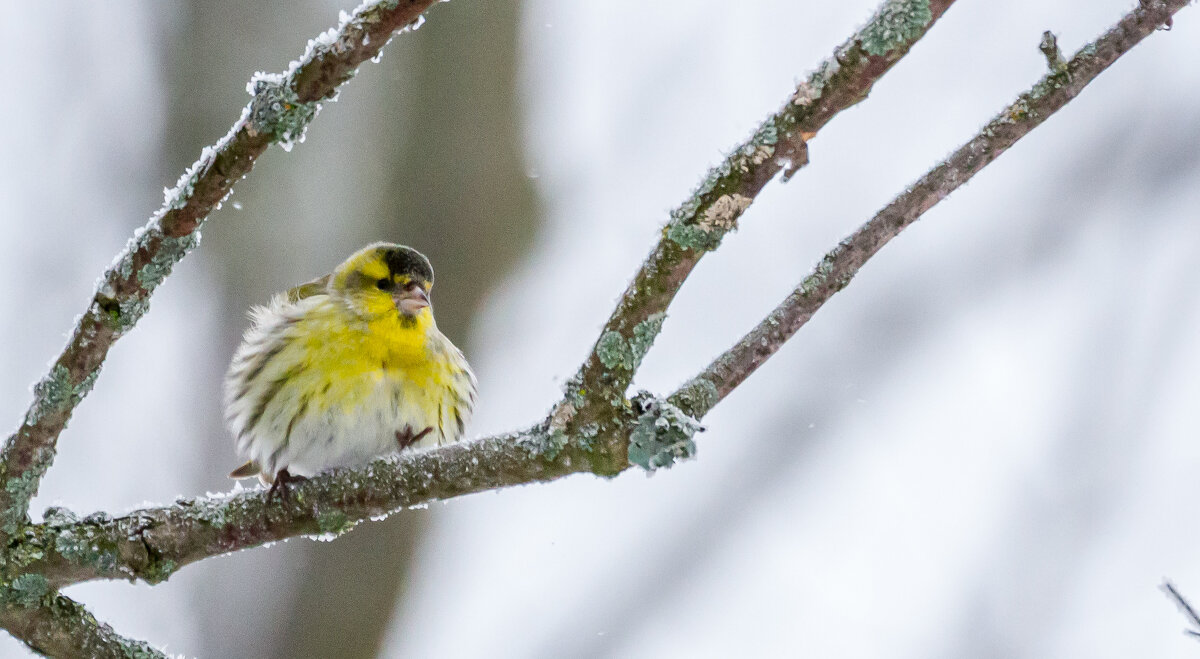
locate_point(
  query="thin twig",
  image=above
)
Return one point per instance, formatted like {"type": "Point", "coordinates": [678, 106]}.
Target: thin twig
{"type": "Point", "coordinates": [281, 108]}
{"type": "Point", "coordinates": [1183, 605]}
{"type": "Point", "coordinates": [843, 262]}
{"type": "Point", "coordinates": [712, 210]}
{"type": "Point", "coordinates": [57, 626]}
{"type": "Point", "coordinates": [151, 544]}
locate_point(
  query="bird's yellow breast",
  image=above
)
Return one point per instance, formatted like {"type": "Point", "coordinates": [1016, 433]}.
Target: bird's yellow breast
{"type": "Point", "coordinates": [354, 359]}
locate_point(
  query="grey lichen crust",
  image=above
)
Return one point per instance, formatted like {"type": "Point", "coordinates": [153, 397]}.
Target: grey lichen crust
{"type": "Point", "coordinates": [898, 22]}
{"type": "Point", "coordinates": [276, 110]}
{"type": "Point", "coordinates": [171, 250]}
{"type": "Point", "coordinates": [662, 435]}
{"type": "Point", "coordinates": [697, 397]}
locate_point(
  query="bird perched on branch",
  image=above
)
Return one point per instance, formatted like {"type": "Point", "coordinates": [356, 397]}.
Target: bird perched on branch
{"type": "Point", "coordinates": [346, 368]}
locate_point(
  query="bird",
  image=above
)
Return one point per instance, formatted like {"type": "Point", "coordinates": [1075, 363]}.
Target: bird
{"type": "Point", "coordinates": [346, 368]}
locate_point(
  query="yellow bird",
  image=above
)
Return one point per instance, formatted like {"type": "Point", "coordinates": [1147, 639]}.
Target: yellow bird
{"type": "Point", "coordinates": [346, 368]}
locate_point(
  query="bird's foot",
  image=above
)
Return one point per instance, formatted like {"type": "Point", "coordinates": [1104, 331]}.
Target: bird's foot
{"type": "Point", "coordinates": [280, 485]}
{"type": "Point", "coordinates": [405, 438]}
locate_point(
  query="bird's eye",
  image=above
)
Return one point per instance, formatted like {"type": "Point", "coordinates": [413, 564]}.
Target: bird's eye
{"type": "Point", "coordinates": [385, 284]}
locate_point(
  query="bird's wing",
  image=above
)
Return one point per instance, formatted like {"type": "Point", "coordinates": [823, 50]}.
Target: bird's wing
{"type": "Point", "coordinates": [314, 287]}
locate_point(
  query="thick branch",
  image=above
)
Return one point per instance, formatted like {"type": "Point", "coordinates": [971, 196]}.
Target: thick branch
{"type": "Point", "coordinates": [279, 112]}
{"type": "Point", "coordinates": [840, 265]}
{"type": "Point", "coordinates": [58, 626]}
{"type": "Point", "coordinates": [698, 225]}
{"type": "Point", "coordinates": [153, 543]}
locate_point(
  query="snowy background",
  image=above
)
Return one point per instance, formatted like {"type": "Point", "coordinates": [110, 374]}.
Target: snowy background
{"type": "Point", "coordinates": [985, 446]}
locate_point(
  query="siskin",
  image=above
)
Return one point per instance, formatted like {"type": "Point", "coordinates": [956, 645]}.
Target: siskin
{"type": "Point", "coordinates": [346, 368]}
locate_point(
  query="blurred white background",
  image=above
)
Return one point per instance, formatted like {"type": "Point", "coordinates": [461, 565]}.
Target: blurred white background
{"type": "Point", "coordinates": [985, 446]}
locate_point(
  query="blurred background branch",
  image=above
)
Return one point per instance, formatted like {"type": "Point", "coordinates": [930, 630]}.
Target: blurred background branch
{"type": "Point", "coordinates": [1185, 607]}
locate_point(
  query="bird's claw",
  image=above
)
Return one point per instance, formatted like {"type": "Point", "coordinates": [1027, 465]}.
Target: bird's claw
{"type": "Point", "coordinates": [280, 486]}
{"type": "Point", "coordinates": [405, 438]}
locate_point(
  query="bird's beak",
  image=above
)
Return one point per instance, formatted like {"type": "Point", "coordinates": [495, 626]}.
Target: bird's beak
{"type": "Point", "coordinates": [411, 301]}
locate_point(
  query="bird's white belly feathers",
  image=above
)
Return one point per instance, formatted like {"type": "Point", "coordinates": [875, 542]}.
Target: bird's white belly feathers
{"type": "Point", "coordinates": [335, 438]}
{"type": "Point", "coordinates": [338, 437]}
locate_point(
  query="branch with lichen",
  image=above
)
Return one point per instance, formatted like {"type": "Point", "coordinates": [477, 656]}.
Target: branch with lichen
{"type": "Point", "coordinates": [280, 110]}
{"type": "Point", "coordinates": [697, 226]}
{"type": "Point", "coordinates": [57, 626]}
{"type": "Point", "coordinates": [153, 543]}
{"type": "Point", "coordinates": [1065, 80]}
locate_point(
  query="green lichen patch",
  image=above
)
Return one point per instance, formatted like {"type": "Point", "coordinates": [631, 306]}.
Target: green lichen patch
{"type": "Point", "coordinates": [158, 571]}
{"type": "Point", "coordinates": [22, 488]}
{"type": "Point", "coordinates": [615, 352]}
{"type": "Point", "coordinates": [587, 436]}
{"type": "Point", "coordinates": [26, 590]}
{"type": "Point", "coordinates": [334, 522]}
{"type": "Point", "coordinates": [50, 395]}
{"type": "Point", "coordinates": [170, 250]}
{"type": "Point", "coordinates": [85, 545]}
{"type": "Point", "coordinates": [662, 435]}
{"type": "Point", "coordinates": [644, 334]}
{"type": "Point", "coordinates": [692, 237]}
{"type": "Point", "coordinates": [897, 24]}
{"type": "Point", "coordinates": [820, 276]}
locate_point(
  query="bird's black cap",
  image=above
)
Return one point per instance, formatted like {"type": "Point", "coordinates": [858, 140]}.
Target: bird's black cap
{"type": "Point", "coordinates": [403, 260]}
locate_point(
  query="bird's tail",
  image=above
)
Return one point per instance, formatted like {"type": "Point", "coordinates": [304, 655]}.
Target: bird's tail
{"type": "Point", "coordinates": [246, 471]}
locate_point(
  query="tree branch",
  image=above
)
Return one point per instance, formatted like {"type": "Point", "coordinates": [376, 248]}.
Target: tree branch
{"type": "Point", "coordinates": [152, 543]}
{"type": "Point", "coordinates": [712, 210]}
{"type": "Point", "coordinates": [1184, 607]}
{"type": "Point", "coordinates": [57, 626]}
{"type": "Point", "coordinates": [843, 262]}
{"type": "Point", "coordinates": [282, 106]}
